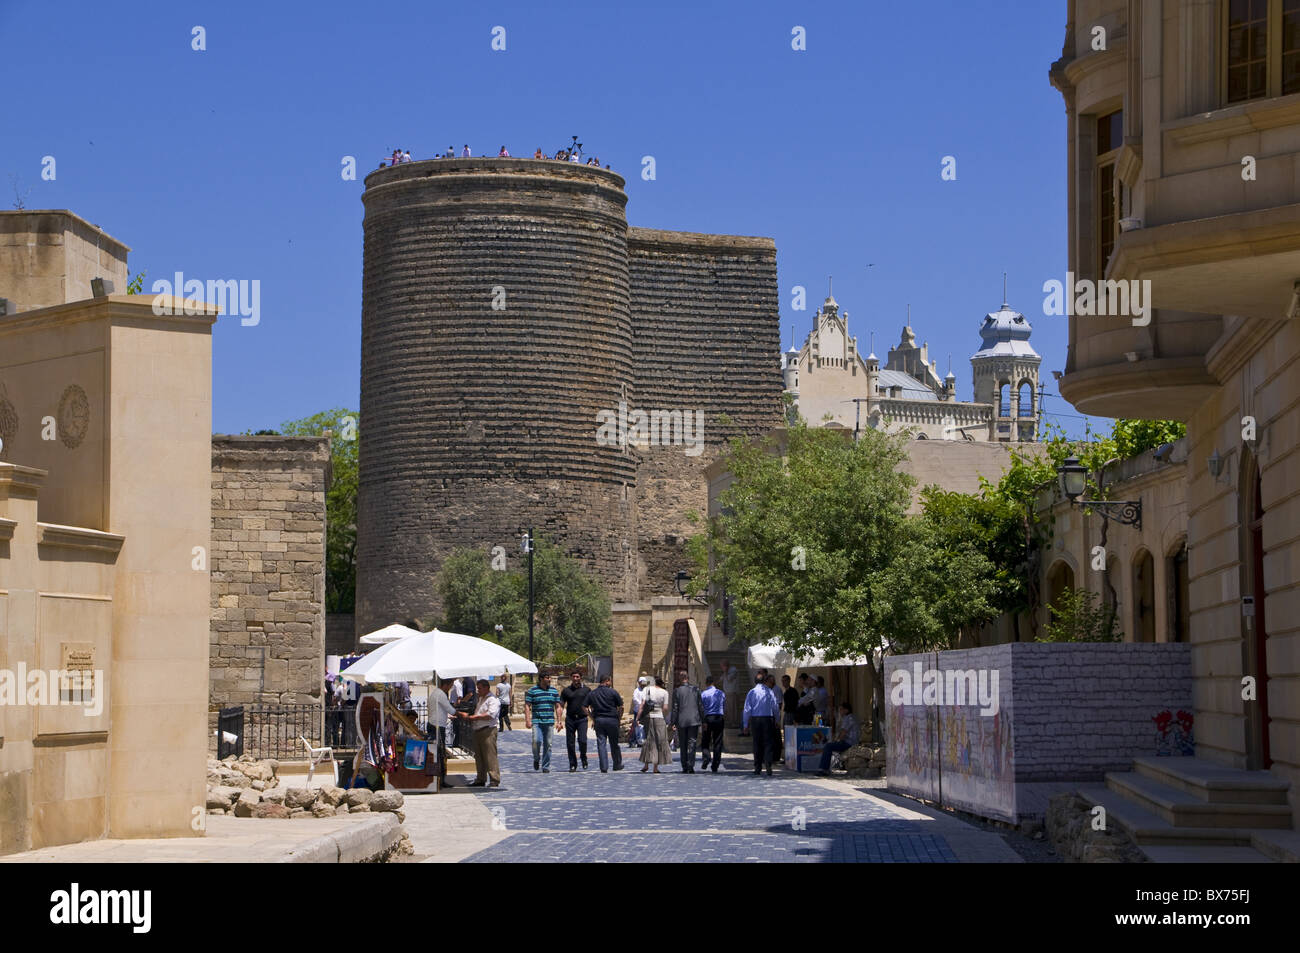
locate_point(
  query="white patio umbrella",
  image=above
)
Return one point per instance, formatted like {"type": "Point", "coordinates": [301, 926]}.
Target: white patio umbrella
{"type": "Point", "coordinates": [389, 633]}
{"type": "Point", "coordinates": [416, 658]}
{"type": "Point", "coordinates": [773, 656]}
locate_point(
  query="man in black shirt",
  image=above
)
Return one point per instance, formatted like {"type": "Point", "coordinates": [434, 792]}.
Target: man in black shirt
{"type": "Point", "coordinates": [605, 706]}
{"type": "Point", "coordinates": [574, 698]}
{"type": "Point", "coordinates": [789, 703]}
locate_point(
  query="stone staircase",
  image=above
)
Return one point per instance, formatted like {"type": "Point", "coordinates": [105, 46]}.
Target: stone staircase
{"type": "Point", "coordinates": [1187, 810]}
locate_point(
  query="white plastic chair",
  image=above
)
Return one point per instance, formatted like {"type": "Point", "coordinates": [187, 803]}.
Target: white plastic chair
{"type": "Point", "coordinates": [316, 756]}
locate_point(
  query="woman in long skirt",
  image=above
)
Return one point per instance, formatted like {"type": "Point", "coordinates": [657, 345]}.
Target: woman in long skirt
{"type": "Point", "coordinates": [656, 750]}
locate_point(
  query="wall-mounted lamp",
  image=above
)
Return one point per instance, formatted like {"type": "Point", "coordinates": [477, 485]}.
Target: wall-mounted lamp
{"type": "Point", "coordinates": [1294, 309]}
{"type": "Point", "coordinates": [1214, 464]}
{"type": "Point", "coordinates": [101, 287]}
{"type": "Point", "coordinates": [1073, 478]}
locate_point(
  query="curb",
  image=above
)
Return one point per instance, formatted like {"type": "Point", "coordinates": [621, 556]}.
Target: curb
{"type": "Point", "coordinates": [361, 842]}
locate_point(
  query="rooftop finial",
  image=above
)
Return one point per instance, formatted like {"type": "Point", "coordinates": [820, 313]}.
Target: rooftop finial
{"type": "Point", "coordinates": [1004, 291]}
{"type": "Point", "coordinates": [830, 286]}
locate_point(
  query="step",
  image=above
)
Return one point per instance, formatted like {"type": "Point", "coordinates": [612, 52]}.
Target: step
{"type": "Point", "coordinates": [1149, 829]}
{"type": "Point", "coordinates": [1214, 783]}
{"type": "Point", "coordinates": [1205, 855]}
{"type": "Point", "coordinates": [1281, 846]}
{"type": "Point", "coordinates": [1182, 809]}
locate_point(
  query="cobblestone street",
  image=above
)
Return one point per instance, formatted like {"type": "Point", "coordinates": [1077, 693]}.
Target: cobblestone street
{"type": "Point", "coordinates": [729, 816]}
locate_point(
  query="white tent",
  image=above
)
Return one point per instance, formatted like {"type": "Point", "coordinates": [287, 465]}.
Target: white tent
{"type": "Point", "coordinates": [775, 657]}
{"type": "Point", "coordinates": [389, 633]}
{"type": "Point", "coordinates": [421, 655]}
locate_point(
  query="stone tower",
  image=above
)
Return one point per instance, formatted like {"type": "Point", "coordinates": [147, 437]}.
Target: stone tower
{"type": "Point", "coordinates": [1005, 371]}
{"type": "Point", "coordinates": [495, 326]}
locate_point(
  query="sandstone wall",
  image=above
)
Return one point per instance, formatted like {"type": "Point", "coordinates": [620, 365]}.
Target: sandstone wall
{"type": "Point", "coordinates": [268, 570]}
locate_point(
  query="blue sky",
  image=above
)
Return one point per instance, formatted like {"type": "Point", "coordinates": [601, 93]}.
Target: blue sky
{"type": "Point", "coordinates": [226, 163]}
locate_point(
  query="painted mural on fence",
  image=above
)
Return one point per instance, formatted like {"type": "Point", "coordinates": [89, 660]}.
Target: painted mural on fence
{"type": "Point", "coordinates": [948, 746]}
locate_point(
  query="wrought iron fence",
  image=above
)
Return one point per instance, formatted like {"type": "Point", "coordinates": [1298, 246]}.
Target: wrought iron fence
{"type": "Point", "coordinates": [274, 731]}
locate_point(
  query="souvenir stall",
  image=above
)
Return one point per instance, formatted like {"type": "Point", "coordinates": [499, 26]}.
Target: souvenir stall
{"type": "Point", "coordinates": [397, 752]}
{"type": "Point", "coordinates": [803, 743]}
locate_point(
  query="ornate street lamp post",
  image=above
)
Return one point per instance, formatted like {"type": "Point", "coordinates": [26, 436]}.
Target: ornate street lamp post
{"type": "Point", "coordinates": [1073, 478]}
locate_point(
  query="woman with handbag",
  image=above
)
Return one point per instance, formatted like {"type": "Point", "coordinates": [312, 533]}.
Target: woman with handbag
{"type": "Point", "coordinates": [656, 750]}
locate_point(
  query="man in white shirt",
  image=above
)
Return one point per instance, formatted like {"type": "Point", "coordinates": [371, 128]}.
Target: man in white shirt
{"type": "Point", "coordinates": [465, 152]}
{"type": "Point", "coordinates": [636, 735]}
{"type": "Point", "coordinates": [503, 696]}
{"type": "Point", "coordinates": [484, 722]}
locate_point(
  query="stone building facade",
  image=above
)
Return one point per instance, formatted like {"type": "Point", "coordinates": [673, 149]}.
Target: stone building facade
{"type": "Point", "coordinates": [833, 385]}
{"type": "Point", "coordinates": [1179, 160]}
{"type": "Point", "coordinates": [97, 561]}
{"type": "Point", "coordinates": [509, 314]}
{"type": "Point", "coordinates": [267, 638]}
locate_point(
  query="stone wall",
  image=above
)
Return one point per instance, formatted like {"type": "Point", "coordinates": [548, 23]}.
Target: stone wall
{"type": "Point", "coordinates": [340, 633]}
{"type": "Point", "coordinates": [49, 257]}
{"type": "Point", "coordinates": [1064, 712]}
{"type": "Point", "coordinates": [643, 633]}
{"type": "Point", "coordinates": [505, 305]}
{"type": "Point", "coordinates": [495, 327]}
{"type": "Point", "coordinates": [705, 338]}
{"type": "Point", "coordinates": [268, 570]}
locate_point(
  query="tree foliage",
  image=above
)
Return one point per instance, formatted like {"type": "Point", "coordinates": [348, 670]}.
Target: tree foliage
{"type": "Point", "coordinates": [572, 610]}
{"type": "Point", "coordinates": [340, 502]}
{"type": "Point", "coordinates": [1080, 616]}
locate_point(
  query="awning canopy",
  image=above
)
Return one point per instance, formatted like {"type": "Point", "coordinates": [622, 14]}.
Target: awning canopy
{"type": "Point", "coordinates": [389, 633]}
{"type": "Point", "coordinates": [773, 656]}
{"type": "Point", "coordinates": [422, 656]}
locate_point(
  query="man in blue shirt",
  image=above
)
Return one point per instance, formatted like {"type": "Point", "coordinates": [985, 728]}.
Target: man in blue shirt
{"type": "Point", "coordinates": [714, 702]}
{"type": "Point", "coordinates": [846, 737]}
{"type": "Point", "coordinates": [759, 720]}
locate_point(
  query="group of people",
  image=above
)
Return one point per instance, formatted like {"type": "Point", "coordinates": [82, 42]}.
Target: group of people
{"type": "Point", "coordinates": [765, 709]}
{"type": "Point", "coordinates": [400, 156]}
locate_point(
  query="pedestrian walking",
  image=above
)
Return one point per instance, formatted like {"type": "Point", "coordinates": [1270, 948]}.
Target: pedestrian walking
{"type": "Point", "coordinates": [574, 697]}
{"type": "Point", "coordinates": [685, 718]}
{"type": "Point", "coordinates": [653, 706]}
{"type": "Point", "coordinates": [846, 737]}
{"type": "Point", "coordinates": [636, 732]}
{"type": "Point", "coordinates": [776, 733]}
{"type": "Point", "coordinates": [541, 712]}
{"type": "Point", "coordinates": [465, 154]}
{"type": "Point", "coordinates": [503, 696]}
{"type": "Point", "coordinates": [759, 720]}
{"type": "Point", "coordinates": [714, 703]}
{"type": "Point", "coordinates": [605, 708]}
{"type": "Point", "coordinates": [483, 729]}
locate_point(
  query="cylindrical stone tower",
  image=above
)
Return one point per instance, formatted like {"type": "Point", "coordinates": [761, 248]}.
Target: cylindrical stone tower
{"type": "Point", "coordinates": [495, 326]}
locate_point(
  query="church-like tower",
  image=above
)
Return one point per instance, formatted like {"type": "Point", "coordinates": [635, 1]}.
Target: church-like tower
{"type": "Point", "coordinates": [1005, 371]}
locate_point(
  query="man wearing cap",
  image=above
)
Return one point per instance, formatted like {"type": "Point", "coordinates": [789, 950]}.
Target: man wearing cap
{"type": "Point", "coordinates": [636, 734]}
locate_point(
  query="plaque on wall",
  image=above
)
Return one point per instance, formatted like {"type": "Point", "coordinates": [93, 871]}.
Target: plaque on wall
{"type": "Point", "coordinates": [74, 416]}
{"type": "Point", "coordinates": [76, 670]}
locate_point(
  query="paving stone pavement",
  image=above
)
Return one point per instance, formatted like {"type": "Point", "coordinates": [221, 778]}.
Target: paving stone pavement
{"type": "Point", "coordinates": [731, 816]}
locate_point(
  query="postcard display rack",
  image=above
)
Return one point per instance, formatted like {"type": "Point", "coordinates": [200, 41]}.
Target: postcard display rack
{"type": "Point", "coordinates": [416, 764]}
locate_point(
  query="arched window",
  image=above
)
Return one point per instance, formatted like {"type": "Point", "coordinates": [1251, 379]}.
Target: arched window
{"type": "Point", "coordinates": [1059, 578]}
{"type": "Point", "coordinates": [1110, 599]}
{"type": "Point", "coordinates": [1144, 598]}
{"type": "Point", "coordinates": [1004, 401]}
{"type": "Point", "coordinates": [1179, 616]}
{"type": "Point", "coordinates": [1026, 399]}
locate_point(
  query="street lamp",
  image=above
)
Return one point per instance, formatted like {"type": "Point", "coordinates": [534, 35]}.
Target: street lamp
{"type": "Point", "coordinates": [680, 581]}
{"type": "Point", "coordinates": [526, 544]}
{"type": "Point", "coordinates": [1073, 478]}
{"type": "Point", "coordinates": [500, 630]}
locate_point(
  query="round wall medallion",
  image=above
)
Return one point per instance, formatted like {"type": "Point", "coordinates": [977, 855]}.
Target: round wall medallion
{"type": "Point", "coordinates": [74, 416]}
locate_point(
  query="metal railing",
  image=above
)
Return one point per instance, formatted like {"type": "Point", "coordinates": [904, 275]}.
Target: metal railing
{"type": "Point", "coordinates": [273, 731]}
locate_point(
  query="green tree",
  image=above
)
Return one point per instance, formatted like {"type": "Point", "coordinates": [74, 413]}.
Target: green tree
{"type": "Point", "coordinates": [135, 284]}
{"type": "Point", "coordinates": [340, 502]}
{"type": "Point", "coordinates": [1079, 616]}
{"type": "Point", "coordinates": [572, 614]}
{"type": "Point", "coordinates": [816, 550]}
{"type": "Point", "coordinates": [1133, 437]}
